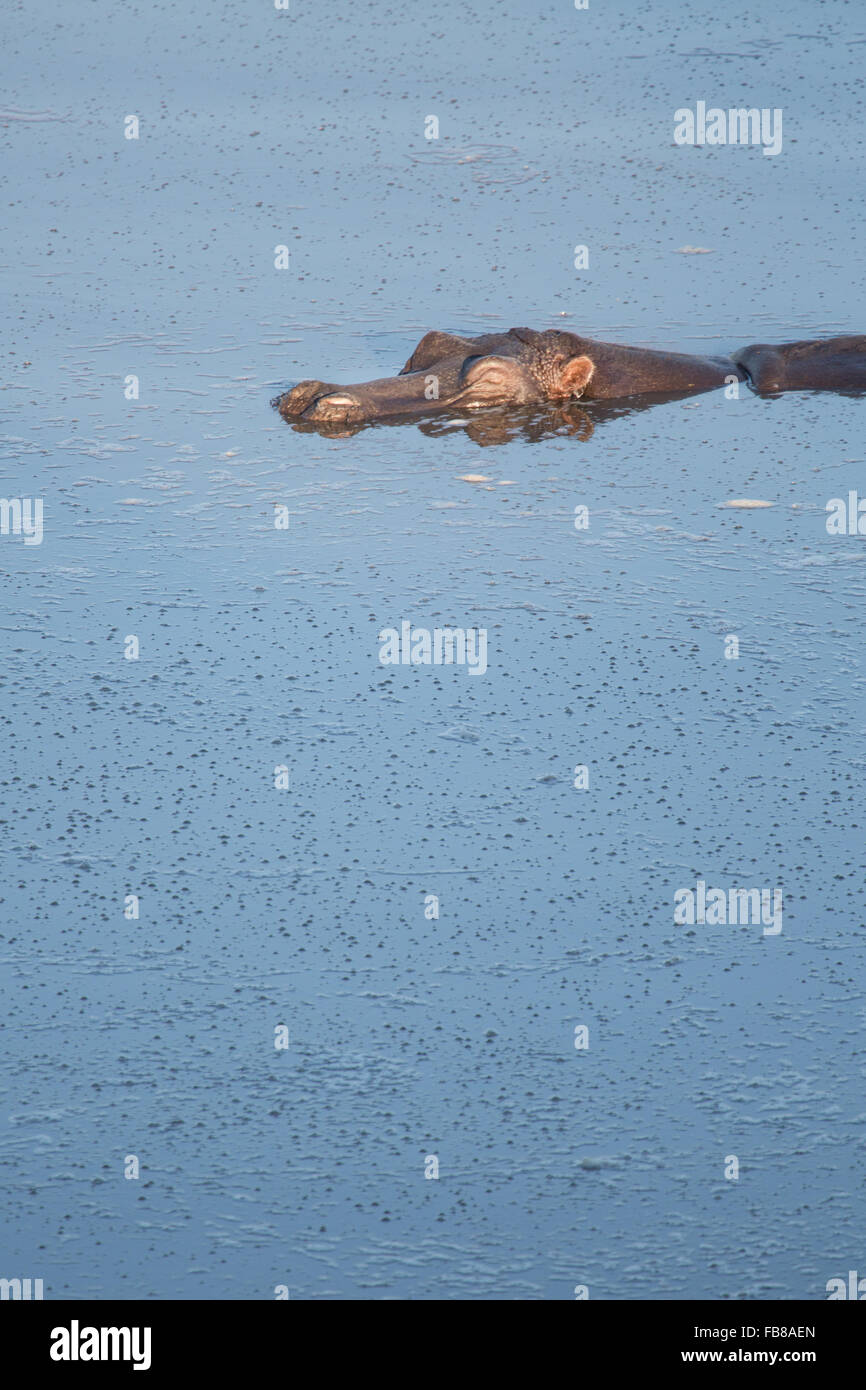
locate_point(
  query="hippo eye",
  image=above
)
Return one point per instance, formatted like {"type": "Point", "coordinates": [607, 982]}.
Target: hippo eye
{"type": "Point", "coordinates": [483, 369]}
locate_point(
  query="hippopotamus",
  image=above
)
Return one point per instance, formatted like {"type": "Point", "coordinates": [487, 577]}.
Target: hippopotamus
{"type": "Point", "coordinates": [523, 367]}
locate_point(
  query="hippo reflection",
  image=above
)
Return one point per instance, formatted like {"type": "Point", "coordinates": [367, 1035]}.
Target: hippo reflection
{"type": "Point", "coordinates": [525, 368]}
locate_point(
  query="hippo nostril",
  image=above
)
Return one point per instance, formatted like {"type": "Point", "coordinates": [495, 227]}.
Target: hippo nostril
{"type": "Point", "coordinates": [338, 406]}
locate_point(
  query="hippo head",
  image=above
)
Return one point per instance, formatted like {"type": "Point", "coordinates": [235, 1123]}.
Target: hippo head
{"type": "Point", "coordinates": [517, 368]}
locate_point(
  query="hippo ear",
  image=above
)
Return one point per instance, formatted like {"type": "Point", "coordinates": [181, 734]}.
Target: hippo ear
{"type": "Point", "coordinates": [574, 376]}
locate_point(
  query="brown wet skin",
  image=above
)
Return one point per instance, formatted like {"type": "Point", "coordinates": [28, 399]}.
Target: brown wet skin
{"type": "Point", "coordinates": [523, 368]}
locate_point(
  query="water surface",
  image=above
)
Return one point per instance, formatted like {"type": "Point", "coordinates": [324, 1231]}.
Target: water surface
{"type": "Point", "coordinates": [412, 1036]}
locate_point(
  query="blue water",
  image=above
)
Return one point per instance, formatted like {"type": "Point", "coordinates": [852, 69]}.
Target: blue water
{"type": "Point", "coordinates": [412, 1036]}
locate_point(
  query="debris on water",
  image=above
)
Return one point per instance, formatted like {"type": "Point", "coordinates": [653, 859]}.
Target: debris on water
{"type": "Point", "coordinates": [694, 250]}
{"type": "Point", "coordinates": [462, 733]}
{"type": "Point", "coordinates": [746, 502]}
{"type": "Point", "coordinates": [474, 478]}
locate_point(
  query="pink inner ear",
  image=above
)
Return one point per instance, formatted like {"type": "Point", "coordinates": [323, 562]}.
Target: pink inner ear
{"type": "Point", "coordinates": [576, 375]}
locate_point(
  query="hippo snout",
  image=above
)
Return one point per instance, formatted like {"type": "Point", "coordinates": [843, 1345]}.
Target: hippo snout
{"type": "Point", "coordinates": [321, 403]}
{"type": "Point", "coordinates": [292, 404]}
